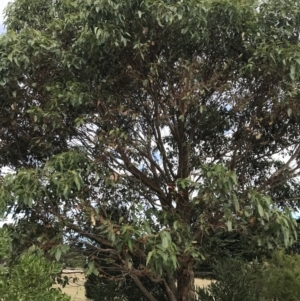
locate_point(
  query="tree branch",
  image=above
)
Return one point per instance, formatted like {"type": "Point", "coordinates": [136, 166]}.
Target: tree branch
{"type": "Point", "coordinates": [142, 288]}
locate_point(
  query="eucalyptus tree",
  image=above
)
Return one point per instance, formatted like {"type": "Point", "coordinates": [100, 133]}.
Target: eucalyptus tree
{"type": "Point", "coordinates": [138, 128]}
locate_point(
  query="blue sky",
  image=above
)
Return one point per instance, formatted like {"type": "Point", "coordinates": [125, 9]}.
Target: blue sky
{"type": "Point", "coordinates": [3, 4]}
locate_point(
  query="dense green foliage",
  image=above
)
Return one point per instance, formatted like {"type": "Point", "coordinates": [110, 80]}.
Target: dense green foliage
{"type": "Point", "coordinates": [277, 278]}
{"type": "Point", "coordinates": [235, 281]}
{"type": "Point", "coordinates": [30, 278]}
{"type": "Point", "coordinates": [135, 130]}
{"type": "Point", "coordinates": [281, 278]}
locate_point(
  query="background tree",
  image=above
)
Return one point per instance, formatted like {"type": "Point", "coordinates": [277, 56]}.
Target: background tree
{"type": "Point", "coordinates": [222, 246]}
{"type": "Point", "coordinates": [185, 113]}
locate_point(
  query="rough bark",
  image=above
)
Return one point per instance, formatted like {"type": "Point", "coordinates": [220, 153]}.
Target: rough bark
{"type": "Point", "coordinates": [185, 280]}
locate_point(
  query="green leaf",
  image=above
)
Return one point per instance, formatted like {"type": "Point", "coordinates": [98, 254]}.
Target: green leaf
{"type": "Point", "coordinates": [147, 227]}
{"type": "Point", "coordinates": [236, 203]}
{"type": "Point", "coordinates": [293, 72]}
{"type": "Point", "coordinates": [66, 191]}
{"type": "Point", "coordinates": [129, 243]}
{"type": "Point", "coordinates": [57, 254]}
{"type": "Point", "coordinates": [149, 256]}
{"type": "Point", "coordinates": [270, 246]}
{"type": "Point", "coordinates": [259, 242]}
{"type": "Point", "coordinates": [174, 261]}
{"type": "Point", "coordinates": [163, 255]}
{"type": "Point", "coordinates": [181, 117]}
{"type": "Point", "coordinates": [77, 182]}
{"type": "Point", "coordinates": [164, 242]}
{"type": "Point", "coordinates": [10, 57]}
{"type": "Point", "coordinates": [260, 210]}
{"type": "Point", "coordinates": [229, 225]}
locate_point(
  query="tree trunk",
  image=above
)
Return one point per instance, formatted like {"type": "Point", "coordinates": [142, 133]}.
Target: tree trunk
{"type": "Point", "coordinates": [185, 280]}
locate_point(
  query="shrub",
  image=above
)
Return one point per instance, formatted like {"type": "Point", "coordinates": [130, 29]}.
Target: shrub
{"type": "Point", "coordinates": [102, 289]}
{"type": "Point", "coordinates": [280, 280]}
{"type": "Point", "coordinates": [30, 279]}
{"type": "Point", "coordinates": [235, 281]}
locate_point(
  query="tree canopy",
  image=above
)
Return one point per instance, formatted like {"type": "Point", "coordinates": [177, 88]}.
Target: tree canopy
{"type": "Point", "coordinates": [135, 130]}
